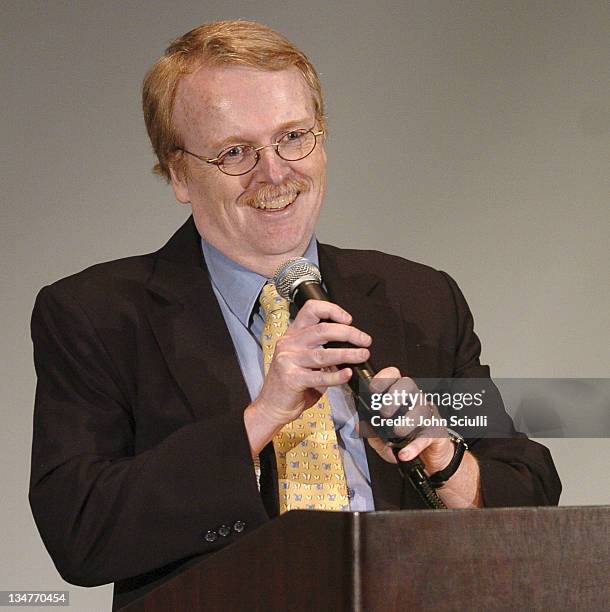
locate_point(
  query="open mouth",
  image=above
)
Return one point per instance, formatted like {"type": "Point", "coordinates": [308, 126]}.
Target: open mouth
{"type": "Point", "coordinates": [277, 203]}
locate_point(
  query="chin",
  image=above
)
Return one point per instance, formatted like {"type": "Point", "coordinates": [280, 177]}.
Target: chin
{"type": "Point", "coordinates": [287, 247]}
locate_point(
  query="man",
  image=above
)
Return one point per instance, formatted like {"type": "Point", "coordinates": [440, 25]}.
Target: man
{"type": "Point", "coordinates": [152, 409]}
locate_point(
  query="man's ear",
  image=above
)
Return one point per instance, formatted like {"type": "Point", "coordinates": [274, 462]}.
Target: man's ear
{"type": "Point", "coordinates": [179, 180]}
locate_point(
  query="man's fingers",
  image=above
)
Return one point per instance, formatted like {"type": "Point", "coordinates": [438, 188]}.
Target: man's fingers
{"type": "Point", "coordinates": [384, 451]}
{"type": "Point", "coordinates": [384, 379]}
{"type": "Point", "coordinates": [389, 372]}
{"type": "Point", "coordinates": [322, 333]}
{"type": "Point", "coordinates": [315, 311]}
{"type": "Point", "coordinates": [414, 448]}
{"type": "Point", "coordinates": [326, 358]}
{"type": "Point", "coordinates": [319, 379]}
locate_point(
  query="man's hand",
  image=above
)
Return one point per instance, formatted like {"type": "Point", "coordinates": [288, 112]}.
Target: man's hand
{"type": "Point", "coordinates": [431, 443]}
{"type": "Point", "coordinates": [302, 369]}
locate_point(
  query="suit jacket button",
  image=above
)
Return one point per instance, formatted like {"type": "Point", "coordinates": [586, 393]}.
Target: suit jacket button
{"type": "Point", "coordinates": [239, 526]}
{"type": "Point", "coordinates": [224, 530]}
{"type": "Point", "coordinates": [210, 536]}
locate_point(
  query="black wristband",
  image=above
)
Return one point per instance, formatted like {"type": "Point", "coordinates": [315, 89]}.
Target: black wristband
{"type": "Point", "coordinates": [438, 479]}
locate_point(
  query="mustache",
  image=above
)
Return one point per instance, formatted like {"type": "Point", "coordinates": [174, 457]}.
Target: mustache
{"type": "Point", "coordinates": [268, 193]}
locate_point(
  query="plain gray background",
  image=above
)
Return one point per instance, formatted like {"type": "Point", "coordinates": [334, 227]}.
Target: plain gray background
{"type": "Point", "coordinates": [472, 136]}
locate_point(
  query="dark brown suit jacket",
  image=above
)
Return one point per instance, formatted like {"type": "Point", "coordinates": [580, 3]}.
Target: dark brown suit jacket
{"type": "Point", "coordinates": [139, 443]}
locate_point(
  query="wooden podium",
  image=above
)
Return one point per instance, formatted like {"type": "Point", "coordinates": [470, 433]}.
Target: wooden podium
{"type": "Point", "coordinates": [509, 559]}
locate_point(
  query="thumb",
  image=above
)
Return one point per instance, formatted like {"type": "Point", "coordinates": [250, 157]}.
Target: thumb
{"type": "Point", "coordinates": [390, 372]}
{"type": "Point", "coordinates": [384, 451]}
{"type": "Point", "coordinates": [384, 379]}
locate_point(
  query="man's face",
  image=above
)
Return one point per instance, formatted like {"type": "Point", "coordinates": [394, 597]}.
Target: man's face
{"type": "Point", "coordinates": [268, 215]}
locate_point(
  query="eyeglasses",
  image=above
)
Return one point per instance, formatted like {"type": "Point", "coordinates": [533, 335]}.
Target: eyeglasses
{"type": "Point", "coordinates": [241, 158]}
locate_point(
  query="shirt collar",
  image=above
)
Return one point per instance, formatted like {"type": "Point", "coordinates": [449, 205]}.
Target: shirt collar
{"type": "Point", "coordinates": [238, 286]}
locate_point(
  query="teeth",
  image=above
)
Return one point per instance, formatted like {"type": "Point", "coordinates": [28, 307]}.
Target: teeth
{"type": "Point", "coordinates": [278, 203]}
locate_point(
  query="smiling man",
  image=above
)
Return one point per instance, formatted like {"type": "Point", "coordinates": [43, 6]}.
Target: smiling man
{"type": "Point", "coordinates": [173, 387]}
{"type": "Point", "coordinates": [258, 216]}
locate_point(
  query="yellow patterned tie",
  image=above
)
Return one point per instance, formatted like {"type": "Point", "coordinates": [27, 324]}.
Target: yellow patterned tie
{"type": "Point", "coordinates": [309, 466]}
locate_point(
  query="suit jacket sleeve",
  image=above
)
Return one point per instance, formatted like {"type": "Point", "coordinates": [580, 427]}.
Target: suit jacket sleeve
{"type": "Point", "coordinates": [515, 471]}
{"type": "Point", "coordinates": [104, 512]}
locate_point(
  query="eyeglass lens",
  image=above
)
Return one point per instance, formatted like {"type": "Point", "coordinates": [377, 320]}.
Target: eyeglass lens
{"type": "Point", "coordinates": [292, 146]}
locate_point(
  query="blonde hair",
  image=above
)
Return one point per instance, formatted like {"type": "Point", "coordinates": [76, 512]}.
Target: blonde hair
{"type": "Point", "coordinates": [221, 43]}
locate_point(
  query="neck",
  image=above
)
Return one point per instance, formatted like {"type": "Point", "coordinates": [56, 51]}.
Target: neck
{"type": "Point", "coordinates": [266, 265]}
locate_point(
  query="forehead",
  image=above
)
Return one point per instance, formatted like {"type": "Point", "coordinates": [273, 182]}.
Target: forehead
{"type": "Point", "coordinates": [217, 102]}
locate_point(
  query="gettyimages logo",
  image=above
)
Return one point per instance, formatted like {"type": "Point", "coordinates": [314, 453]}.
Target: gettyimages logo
{"type": "Point", "coordinates": [401, 408]}
{"type": "Point", "coordinates": [485, 408]}
{"type": "Point", "coordinates": [397, 397]}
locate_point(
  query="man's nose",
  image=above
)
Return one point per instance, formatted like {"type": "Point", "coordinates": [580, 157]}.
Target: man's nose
{"type": "Point", "coordinates": [271, 168]}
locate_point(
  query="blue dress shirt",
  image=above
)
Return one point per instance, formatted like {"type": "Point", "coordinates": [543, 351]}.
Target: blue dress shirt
{"type": "Point", "coordinates": [237, 290]}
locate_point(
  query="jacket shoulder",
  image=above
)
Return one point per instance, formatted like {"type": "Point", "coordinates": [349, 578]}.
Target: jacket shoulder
{"type": "Point", "coordinates": [386, 266]}
{"type": "Point", "coordinates": [122, 280]}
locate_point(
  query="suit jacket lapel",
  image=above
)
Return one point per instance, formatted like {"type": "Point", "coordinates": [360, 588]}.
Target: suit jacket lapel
{"type": "Point", "coordinates": [364, 296]}
{"type": "Point", "coordinates": [190, 328]}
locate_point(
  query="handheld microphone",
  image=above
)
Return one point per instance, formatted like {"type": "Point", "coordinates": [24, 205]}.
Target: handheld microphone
{"type": "Point", "coordinates": [298, 280]}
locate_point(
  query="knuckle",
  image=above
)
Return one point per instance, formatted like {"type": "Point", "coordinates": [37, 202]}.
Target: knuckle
{"type": "Point", "coordinates": [282, 359]}
{"type": "Point", "coordinates": [319, 379]}
{"type": "Point", "coordinates": [322, 330]}
{"type": "Point", "coordinates": [280, 344]}
{"type": "Point", "coordinates": [313, 306]}
{"type": "Point", "coordinates": [308, 306]}
{"type": "Point", "coordinates": [319, 356]}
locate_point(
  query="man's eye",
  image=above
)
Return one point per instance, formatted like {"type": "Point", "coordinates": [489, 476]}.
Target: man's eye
{"type": "Point", "coordinates": [294, 135]}
{"type": "Point", "coordinates": [236, 151]}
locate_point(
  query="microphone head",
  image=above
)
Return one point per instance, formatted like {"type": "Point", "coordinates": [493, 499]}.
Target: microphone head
{"type": "Point", "coordinates": [292, 273]}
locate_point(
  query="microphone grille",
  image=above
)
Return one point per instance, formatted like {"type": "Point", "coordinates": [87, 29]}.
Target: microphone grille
{"type": "Point", "coordinates": [292, 273]}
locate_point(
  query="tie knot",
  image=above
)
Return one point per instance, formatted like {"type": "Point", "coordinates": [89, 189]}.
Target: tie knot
{"type": "Point", "coordinates": [271, 300]}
